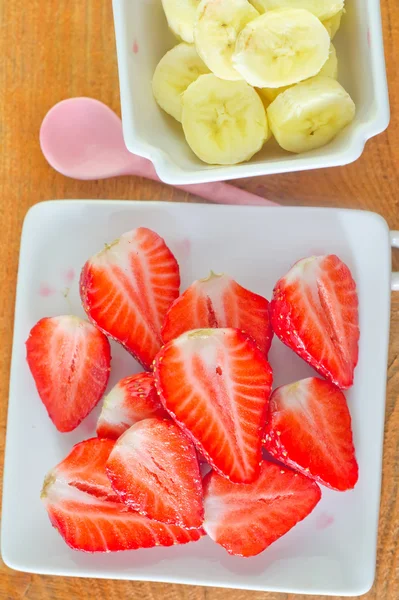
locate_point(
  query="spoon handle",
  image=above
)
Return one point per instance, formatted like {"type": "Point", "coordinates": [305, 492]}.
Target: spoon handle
{"type": "Point", "coordinates": [220, 192]}
{"type": "Point", "coordinates": [223, 193]}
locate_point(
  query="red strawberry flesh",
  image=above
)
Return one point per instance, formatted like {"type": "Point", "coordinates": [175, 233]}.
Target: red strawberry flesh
{"type": "Point", "coordinates": [84, 468]}
{"type": "Point", "coordinates": [154, 469]}
{"type": "Point", "coordinates": [309, 429]}
{"type": "Point", "coordinates": [92, 524]}
{"type": "Point", "coordinates": [314, 311]}
{"type": "Point", "coordinates": [70, 362]}
{"type": "Point", "coordinates": [133, 399]}
{"type": "Point", "coordinates": [219, 301]}
{"type": "Point", "coordinates": [87, 513]}
{"type": "Point", "coordinates": [127, 288]}
{"type": "Point", "coordinates": [216, 384]}
{"type": "Point", "coordinates": [246, 519]}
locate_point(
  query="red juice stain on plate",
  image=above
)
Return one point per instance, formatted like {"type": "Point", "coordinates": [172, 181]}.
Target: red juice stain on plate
{"type": "Point", "coordinates": [183, 246]}
{"type": "Point", "coordinates": [135, 47]}
{"type": "Point", "coordinates": [324, 521]}
{"type": "Point", "coordinates": [45, 290]}
{"type": "Point", "coordinates": [69, 275]}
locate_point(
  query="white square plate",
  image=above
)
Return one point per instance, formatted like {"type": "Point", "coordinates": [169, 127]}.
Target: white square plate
{"type": "Point", "coordinates": [331, 552]}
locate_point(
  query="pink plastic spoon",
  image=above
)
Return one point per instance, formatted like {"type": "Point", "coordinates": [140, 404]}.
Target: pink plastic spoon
{"type": "Point", "coordinates": [82, 138]}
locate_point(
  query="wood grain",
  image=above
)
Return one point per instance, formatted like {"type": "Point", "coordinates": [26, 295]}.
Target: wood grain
{"type": "Point", "coordinates": [54, 50]}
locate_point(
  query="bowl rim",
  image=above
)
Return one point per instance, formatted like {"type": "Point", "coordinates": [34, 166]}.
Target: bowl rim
{"type": "Point", "coordinates": [170, 172]}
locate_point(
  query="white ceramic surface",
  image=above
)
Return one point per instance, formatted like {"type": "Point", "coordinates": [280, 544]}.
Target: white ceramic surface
{"type": "Point", "coordinates": [142, 38]}
{"type": "Point", "coordinates": [331, 552]}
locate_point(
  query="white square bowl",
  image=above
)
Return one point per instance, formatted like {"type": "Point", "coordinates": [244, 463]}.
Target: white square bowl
{"type": "Point", "coordinates": [143, 37]}
{"type": "Point", "coordinates": [333, 551]}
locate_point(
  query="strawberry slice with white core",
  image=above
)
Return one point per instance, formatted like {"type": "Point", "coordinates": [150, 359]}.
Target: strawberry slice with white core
{"type": "Point", "coordinates": [86, 511]}
{"type": "Point", "coordinates": [246, 519]}
{"type": "Point", "coordinates": [70, 362]}
{"type": "Point", "coordinates": [92, 524]}
{"type": "Point", "coordinates": [216, 384]}
{"type": "Point", "coordinates": [314, 311]}
{"type": "Point", "coordinates": [309, 429]}
{"type": "Point", "coordinates": [154, 469]}
{"type": "Point", "coordinates": [127, 288]}
{"type": "Point", "coordinates": [219, 301]}
{"type": "Point", "coordinates": [84, 468]}
{"type": "Point", "coordinates": [133, 399]}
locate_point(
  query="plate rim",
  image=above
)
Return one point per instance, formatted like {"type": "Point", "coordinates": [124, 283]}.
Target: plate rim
{"type": "Point", "coordinates": [33, 213]}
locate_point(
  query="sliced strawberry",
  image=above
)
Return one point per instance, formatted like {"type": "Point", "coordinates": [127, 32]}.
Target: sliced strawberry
{"type": "Point", "coordinates": [309, 429]}
{"type": "Point", "coordinates": [216, 384]}
{"type": "Point", "coordinates": [219, 301]}
{"type": "Point", "coordinates": [70, 362]}
{"type": "Point", "coordinates": [92, 524]}
{"type": "Point", "coordinates": [246, 519]}
{"type": "Point", "coordinates": [88, 514]}
{"type": "Point", "coordinates": [131, 400]}
{"type": "Point", "coordinates": [127, 288]}
{"type": "Point", "coordinates": [84, 468]}
{"type": "Point", "coordinates": [154, 469]}
{"type": "Point", "coordinates": [314, 311]}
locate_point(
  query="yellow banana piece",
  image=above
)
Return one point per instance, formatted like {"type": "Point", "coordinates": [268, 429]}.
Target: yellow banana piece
{"type": "Point", "coordinates": [322, 9]}
{"type": "Point", "coordinates": [310, 114]}
{"type": "Point", "coordinates": [216, 27]}
{"type": "Point", "coordinates": [329, 69]}
{"type": "Point", "coordinates": [333, 24]}
{"type": "Point", "coordinates": [224, 122]}
{"type": "Point", "coordinates": [180, 15]}
{"type": "Point", "coordinates": [174, 73]}
{"type": "Point", "coordinates": [281, 47]}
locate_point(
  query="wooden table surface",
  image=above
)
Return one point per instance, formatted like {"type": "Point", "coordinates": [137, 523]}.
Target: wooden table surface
{"type": "Point", "coordinates": [54, 50]}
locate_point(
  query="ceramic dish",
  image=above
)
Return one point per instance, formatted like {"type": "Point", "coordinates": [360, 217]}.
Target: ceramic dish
{"type": "Point", "coordinates": [331, 552]}
{"type": "Point", "coordinates": [143, 37]}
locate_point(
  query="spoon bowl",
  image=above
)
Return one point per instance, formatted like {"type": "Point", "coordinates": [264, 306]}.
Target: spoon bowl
{"type": "Point", "coordinates": [82, 138]}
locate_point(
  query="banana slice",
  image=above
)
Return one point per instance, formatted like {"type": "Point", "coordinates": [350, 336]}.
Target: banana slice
{"type": "Point", "coordinates": [333, 24]}
{"type": "Point", "coordinates": [216, 27]}
{"type": "Point", "coordinates": [175, 72]}
{"type": "Point", "coordinates": [281, 47]}
{"type": "Point", "coordinates": [322, 9]}
{"type": "Point", "coordinates": [180, 15]}
{"type": "Point", "coordinates": [310, 114]}
{"type": "Point", "coordinates": [329, 69]}
{"type": "Point", "coordinates": [224, 121]}
{"type": "Point", "coordinates": [268, 95]}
